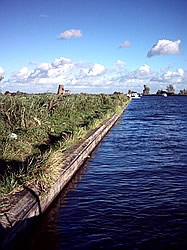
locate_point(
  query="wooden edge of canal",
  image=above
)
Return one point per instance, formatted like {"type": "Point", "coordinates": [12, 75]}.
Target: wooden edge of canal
{"type": "Point", "coordinates": [30, 204]}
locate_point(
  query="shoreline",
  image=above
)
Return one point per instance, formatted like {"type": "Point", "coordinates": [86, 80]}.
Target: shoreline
{"type": "Point", "coordinates": [29, 203]}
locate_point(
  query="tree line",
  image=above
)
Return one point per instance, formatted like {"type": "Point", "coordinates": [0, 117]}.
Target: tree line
{"type": "Point", "coordinates": [170, 90]}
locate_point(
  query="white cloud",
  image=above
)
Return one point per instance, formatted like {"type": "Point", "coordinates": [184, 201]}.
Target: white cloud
{"type": "Point", "coordinates": [120, 63]}
{"type": "Point", "coordinates": [143, 73]}
{"type": "Point", "coordinates": [173, 77]}
{"type": "Point", "coordinates": [125, 44]}
{"type": "Point", "coordinates": [96, 70]}
{"type": "Point", "coordinates": [181, 72]}
{"type": "Point", "coordinates": [61, 61]}
{"type": "Point", "coordinates": [44, 66]}
{"type": "Point", "coordinates": [177, 78]}
{"type": "Point", "coordinates": [118, 67]}
{"type": "Point", "coordinates": [70, 34]}
{"type": "Point", "coordinates": [145, 68]}
{"type": "Point", "coordinates": [165, 47]}
{"type": "Point", "coordinates": [92, 77]}
{"type": "Point", "coordinates": [1, 71]}
{"type": "Point", "coordinates": [23, 73]}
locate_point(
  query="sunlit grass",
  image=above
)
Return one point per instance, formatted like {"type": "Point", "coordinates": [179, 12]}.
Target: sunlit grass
{"type": "Point", "coordinates": [35, 130]}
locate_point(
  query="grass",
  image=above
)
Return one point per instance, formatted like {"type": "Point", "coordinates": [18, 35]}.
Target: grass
{"type": "Point", "coordinates": [35, 130]}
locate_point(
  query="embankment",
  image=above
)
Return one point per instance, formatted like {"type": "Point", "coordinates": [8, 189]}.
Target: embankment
{"type": "Point", "coordinates": [29, 204]}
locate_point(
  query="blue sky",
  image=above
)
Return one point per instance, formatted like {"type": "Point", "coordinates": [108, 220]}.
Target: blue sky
{"type": "Point", "coordinates": [93, 46]}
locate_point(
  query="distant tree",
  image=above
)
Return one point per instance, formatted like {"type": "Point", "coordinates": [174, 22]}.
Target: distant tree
{"type": "Point", "coordinates": [146, 90]}
{"type": "Point", "coordinates": [7, 93]}
{"type": "Point", "coordinates": [170, 89]}
{"type": "Point", "coordinates": [159, 92]}
{"type": "Point", "coordinates": [183, 92]}
{"type": "Point", "coordinates": [129, 92]}
{"type": "Point", "coordinates": [20, 93]}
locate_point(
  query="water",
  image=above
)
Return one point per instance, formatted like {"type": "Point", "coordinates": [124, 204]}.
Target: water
{"type": "Point", "coordinates": [132, 193]}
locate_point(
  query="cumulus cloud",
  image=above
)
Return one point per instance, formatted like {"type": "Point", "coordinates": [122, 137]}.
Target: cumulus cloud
{"type": "Point", "coordinates": [125, 44]}
{"type": "Point", "coordinates": [96, 70]}
{"type": "Point", "coordinates": [23, 73]}
{"type": "Point", "coordinates": [165, 47]}
{"type": "Point", "coordinates": [145, 68]}
{"type": "Point", "coordinates": [173, 77]}
{"type": "Point", "coordinates": [177, 78]}
{"type": "Point", "coordinates": [44, 66]}
{"type": "Point", "coordinates": [143, 73]}
{"type": "Point", "coordinates": [118, 67]}
{"type": "Point", "coordinates": [91, 77]}
{"type": "Point", "coordinates": [58, 62]}
{"type": "Point", "coordinates": [70, 34]}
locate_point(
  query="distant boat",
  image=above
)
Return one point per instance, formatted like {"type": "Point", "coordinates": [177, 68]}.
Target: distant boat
{"type": "Point", "coordinates": [164, 94]}
{"type": "Point", "coordinates": [135, 95]}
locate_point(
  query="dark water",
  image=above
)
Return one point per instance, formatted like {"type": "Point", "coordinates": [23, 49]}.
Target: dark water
{"type": "Point", "coordinates": [132, 193]}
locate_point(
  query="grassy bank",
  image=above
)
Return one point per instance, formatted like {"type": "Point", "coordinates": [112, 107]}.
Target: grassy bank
{"type": "Point", "coordinates": [36, 130]}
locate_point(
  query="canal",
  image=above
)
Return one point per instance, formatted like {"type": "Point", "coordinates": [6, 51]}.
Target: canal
{"type": "Point", "coordinates": [132, 192]}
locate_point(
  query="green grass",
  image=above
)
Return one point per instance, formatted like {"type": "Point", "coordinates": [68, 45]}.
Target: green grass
{"type": "Point", "coordinates": [46, 126]}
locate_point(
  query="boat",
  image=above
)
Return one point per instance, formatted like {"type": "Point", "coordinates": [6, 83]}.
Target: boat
{"type": "Point", "coordinates": [135, 95]}
{"type": "Point", "coordinates": [164, 94]}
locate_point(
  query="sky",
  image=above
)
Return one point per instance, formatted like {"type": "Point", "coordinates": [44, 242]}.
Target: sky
{"type": "Point", "coordinates": [98, 46]}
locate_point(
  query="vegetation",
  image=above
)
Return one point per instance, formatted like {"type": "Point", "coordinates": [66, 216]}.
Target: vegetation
{"type": "Point", "coordinates": [35, 130]}
{"type": "Point", "coordinates": [146, 90]}
{"type": "Point", "coordinates": [161, 92]}
{"type": "Point", "coordinates": [170, 89]}
{"type": "Point", "coordinates": [183, 92]}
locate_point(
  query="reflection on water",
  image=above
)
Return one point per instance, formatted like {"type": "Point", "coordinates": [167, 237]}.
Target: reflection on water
{"type": "Point", "coordinates": [131, 194]}
{"type": "Point", "coordinates": [45, 235]}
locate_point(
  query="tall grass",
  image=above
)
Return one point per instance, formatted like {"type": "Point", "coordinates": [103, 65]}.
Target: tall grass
{"type": "Point", "coordinates": [36, 129]}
